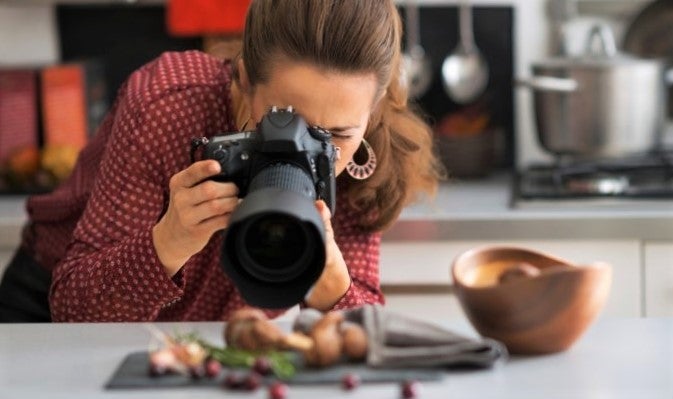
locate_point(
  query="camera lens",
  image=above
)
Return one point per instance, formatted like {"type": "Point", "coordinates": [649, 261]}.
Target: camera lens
{"type": "Point", "coordinates": [273, 249]}
{"type": "Point", "coordinates": [275, 246]}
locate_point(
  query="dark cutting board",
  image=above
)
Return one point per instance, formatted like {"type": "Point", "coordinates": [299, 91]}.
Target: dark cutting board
{"type": "Point", "coordinates": [133, 373]}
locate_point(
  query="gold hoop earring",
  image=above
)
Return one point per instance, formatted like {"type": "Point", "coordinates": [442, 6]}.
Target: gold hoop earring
{"type": "Point", "coordinates": [365, 170]}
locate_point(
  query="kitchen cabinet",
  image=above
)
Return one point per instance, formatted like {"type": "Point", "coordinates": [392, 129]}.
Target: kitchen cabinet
{"type": "Point", "coordinates": [7, 248]}
{"type": "Point", "coordinates": [416, 275]}
{"type": "Point", "coordinates": [5, 257]}
{"type": "Point", "coordinates": [12, 217]}
{"type": "Point", "coordinates": [658, 275]}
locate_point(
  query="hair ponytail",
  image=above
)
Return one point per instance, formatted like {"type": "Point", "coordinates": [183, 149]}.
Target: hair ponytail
{"type": "Point", "coordinates": [407, 165]}
{"type": "Point", "coordinates": [353, 36]}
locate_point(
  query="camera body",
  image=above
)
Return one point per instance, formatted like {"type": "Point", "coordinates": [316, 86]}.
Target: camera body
{"type": "Point", "coordinates": [274, 247]}
{"type": "Point", "coordinates": [281, 137]}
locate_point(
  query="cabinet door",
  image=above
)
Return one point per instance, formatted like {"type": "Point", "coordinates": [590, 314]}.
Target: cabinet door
{"type": "Point", "coordinates": [9, 241]}
{"type": "Point", "coordinates": [659, 279]}
{"type": "Point", "coordinates": [5, 256]}
{"type": "Point", "coordinates": [416, 275]}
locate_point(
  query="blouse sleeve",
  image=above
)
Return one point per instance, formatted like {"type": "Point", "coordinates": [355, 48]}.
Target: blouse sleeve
{"type": "Point", "coordinates": [361, 252]}
{"type": "Point", "coordinates": [111, 271]}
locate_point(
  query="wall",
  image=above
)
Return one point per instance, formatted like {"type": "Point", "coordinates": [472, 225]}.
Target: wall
{"type": "Point", "coordinates": [27, 35]}
{"type": "Point", "coordinates": [531, 42]}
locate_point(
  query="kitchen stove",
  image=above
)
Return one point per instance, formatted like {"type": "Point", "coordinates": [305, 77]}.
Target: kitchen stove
{"type": "Point", "coordinates": [638, 177]}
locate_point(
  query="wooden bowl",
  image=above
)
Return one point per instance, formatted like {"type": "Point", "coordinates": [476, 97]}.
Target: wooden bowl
{"type": "Point", "coordinates": [532, 302]}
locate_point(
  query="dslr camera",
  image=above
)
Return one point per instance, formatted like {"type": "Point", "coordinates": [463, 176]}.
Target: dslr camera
{"type": "Point", "coordinates": [274, 246]}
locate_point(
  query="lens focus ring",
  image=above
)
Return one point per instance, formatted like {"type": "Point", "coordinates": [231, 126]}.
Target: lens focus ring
{"type": "Point", "coordinates": [284, 176]}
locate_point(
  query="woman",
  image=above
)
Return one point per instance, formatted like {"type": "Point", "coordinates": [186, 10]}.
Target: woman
{"type": "Point", "coordinates": [131, 235]}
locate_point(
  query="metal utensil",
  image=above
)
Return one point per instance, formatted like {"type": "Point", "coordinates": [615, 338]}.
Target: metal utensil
{"type": "Point", "coordinates": [465, 71]}
{"type": "Point", "coordinates": [603, 104]}
{"type": "Point", "coordinates": [417, 68]}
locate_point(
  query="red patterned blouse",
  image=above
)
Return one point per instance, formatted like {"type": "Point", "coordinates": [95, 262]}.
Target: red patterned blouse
{"type": "Point", "coordinates": [94, 231]}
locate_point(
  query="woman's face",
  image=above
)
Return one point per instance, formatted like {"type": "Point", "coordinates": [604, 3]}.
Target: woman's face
{"type": "Point", "coordinates": [338, 102]}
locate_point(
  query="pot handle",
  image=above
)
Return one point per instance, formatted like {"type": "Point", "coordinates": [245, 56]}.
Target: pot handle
{"type": "Point", "coordinates": [550, 83]}
{"type": "Point", "coordinates": [601, 34]}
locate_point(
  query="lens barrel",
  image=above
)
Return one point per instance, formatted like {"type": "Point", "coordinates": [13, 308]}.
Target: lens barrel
{"type": "Point", "coordinates": [274, 247]}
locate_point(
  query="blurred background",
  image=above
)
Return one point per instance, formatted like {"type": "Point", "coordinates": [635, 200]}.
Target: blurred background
{"type": "Point", "coordinates": [59, 77]}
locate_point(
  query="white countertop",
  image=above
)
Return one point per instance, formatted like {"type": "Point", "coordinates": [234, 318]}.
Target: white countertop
{"type": "Point", "coordinates": [617, 358]}
{"type": "Point", "coordinates": [484, 209]}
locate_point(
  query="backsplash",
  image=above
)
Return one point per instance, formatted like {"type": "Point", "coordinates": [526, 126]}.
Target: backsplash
{"type": "Point", "coordinates": [122, 37]}
{"type": "Point", "coordinates": [493, 33]}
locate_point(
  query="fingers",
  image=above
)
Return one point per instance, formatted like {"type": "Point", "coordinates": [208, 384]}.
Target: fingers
{"type": "Point", "coordinates": [323, 210]}
{"type": "Point", "coordinates": [199, 205]}
{"type": "Point", "coordinates": [195, 173]}
{"type": "Point", "coordinates": [211, 190]}
{"type": "Point", "coordinates": [326, 216]}
{"type": "Point", "coordinates": [211, 208]}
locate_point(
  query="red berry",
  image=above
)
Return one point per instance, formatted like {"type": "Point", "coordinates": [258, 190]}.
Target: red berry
{"type": "Point", "coordinates": [233, 380]}
{"type": "Point", "coordinates": [252, 381]}
{"type": "Point", "coordinates": [197, 371]}
{"type": "Point", "coordinates": [262, 365]}
{"type": "Point", "coordinates": [157, 370]}
{"type": "Point", "coordinates": [277, 390]}
{"type": "Point", "coordinates": [350, 381]}
{"type": "Point", "coordinates": [410, 389]}
{"type": "Point", "coordinates": [213, 368]}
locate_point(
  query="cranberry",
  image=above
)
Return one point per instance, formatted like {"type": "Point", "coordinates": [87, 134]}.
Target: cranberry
{"type": "Point", "coordinates": [157, 370]}
{"type": "Point", "coordinates": [350, 381]}
{"type": "Point", "coordinates": [277, 390]}
{"type": "Point", "coordinates": [262, 366]}
{"type": "Point", "coordinates": [197, 371]}
{"type": "Point", "coordinates": [252, 381]}
{"type": "Point", "coordinates": [233, 380]}
{"type": "Point", "coordinates": [213, 368]}
{"type": "Point", "coordinates": [410, 389]}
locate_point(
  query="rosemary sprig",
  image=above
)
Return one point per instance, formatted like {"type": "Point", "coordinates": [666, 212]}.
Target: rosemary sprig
{"type": "Point", "coordinates": [281, 362]}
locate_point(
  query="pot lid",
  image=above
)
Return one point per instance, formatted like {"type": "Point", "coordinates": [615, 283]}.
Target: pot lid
{"type": "Point", "coordinates": [600, 51]}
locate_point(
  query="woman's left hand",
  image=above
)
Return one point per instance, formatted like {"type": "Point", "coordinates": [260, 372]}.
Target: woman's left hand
{"type": "Point", "coordinates": [335, 279]}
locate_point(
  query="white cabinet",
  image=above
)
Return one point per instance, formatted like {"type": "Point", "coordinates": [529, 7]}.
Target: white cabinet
{"type": "Point", "coordinates": [7, 248]}
{"type": "Point", "coordinates": [5, 256]}
{"type": "Point", "coordinates": [415, 275]}
{"type": "Point", "coordinates": [12, 219]}
{"type": "Point", "coordinates": [658, 272]}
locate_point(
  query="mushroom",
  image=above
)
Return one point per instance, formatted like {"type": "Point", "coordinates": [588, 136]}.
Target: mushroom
{"type": "Point", "coordinates": [518, 271]}
{"type": "Point", "coordinates": [327, 341]}
{"type": "Point", "coordinates": [250, 329]}
{"type": "Point", "coordinates": [354, 340]}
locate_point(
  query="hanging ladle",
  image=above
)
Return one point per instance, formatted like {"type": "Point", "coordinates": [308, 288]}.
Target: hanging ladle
{"type": "Point", "coordinates": [465, 71]}
{"type": "Point", "coordinates": [417, 68]}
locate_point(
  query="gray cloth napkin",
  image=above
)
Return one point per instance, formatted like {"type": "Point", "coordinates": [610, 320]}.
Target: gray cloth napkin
{"type": "Point", "coordinates": [398, 341]}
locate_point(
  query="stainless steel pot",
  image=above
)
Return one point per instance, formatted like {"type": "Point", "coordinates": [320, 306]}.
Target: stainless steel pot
{"type": "Point", "coordinates": [602, 104]}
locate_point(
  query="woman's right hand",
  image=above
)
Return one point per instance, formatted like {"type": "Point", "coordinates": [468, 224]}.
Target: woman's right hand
{"type": "Point", "coordinates": [197, 208]}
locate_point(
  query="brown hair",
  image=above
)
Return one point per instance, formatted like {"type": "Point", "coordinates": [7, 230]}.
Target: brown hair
{"type": "Point", "coordinates": [353, 36]}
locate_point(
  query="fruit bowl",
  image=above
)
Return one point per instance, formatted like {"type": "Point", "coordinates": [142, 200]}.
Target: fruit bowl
{"type": "Point", "coordinates": [533, 302]}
